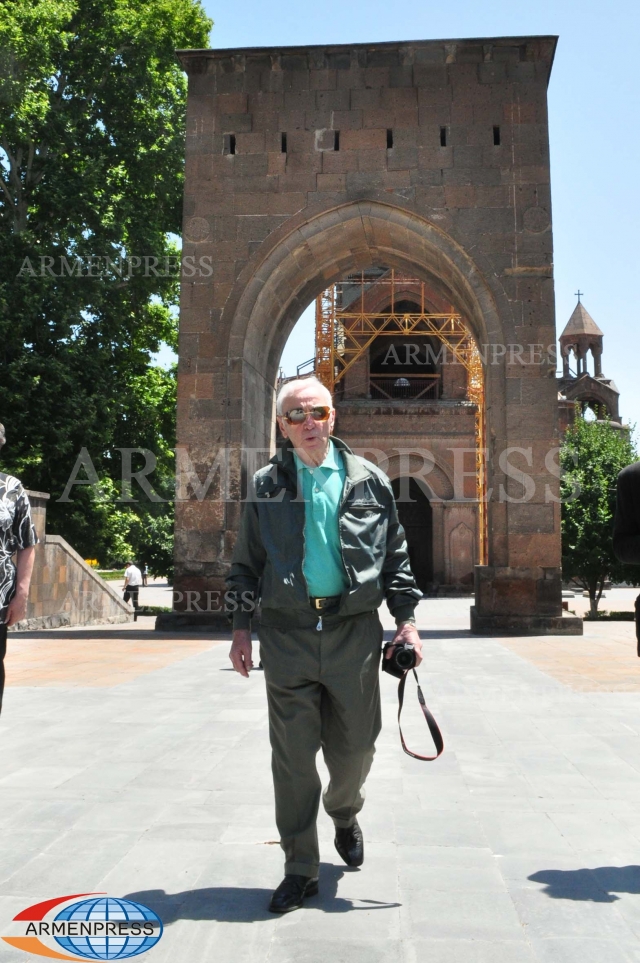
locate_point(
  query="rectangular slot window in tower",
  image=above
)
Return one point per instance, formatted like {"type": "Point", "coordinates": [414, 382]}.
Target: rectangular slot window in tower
{"type": "Point", "coordinates": [443, 136]}
{"type": "Point", "coordinates": [389, 139]}
{"type": "Point", "coordinates": [228, 143]}
{"type": "Point", "coordinates": [283, 143]}
{"type": "Point", "coordinates": [336, 140]}
{"type": "Point", "coordinates": [496, 136]}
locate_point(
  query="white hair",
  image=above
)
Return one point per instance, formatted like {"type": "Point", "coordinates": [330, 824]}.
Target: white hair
{"type": "Point", "coordinates": [290, 386]}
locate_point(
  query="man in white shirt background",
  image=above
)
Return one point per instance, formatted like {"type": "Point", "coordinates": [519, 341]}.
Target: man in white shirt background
{"type": "Point", "coordinates": [132, 583]}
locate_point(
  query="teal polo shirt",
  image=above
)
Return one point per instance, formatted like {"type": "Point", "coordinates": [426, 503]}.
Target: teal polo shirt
{"type": "Point", "coordinates": [322, 491]}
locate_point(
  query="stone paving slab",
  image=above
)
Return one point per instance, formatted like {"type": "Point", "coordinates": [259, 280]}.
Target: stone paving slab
{"type": "Point", "coordinates": [604, 659]}
{"type": "Point", "coordinates": [96, 656]}
{"type": "Point", "coordinates": [520, 845]}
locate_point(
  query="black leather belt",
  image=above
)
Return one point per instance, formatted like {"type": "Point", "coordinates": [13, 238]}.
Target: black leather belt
{"type": "Point", "coordinates": [322, 603]}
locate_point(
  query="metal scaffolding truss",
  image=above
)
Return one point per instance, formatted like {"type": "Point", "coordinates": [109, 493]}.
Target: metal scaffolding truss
{"type": "Point", "coordinates": [344, 335]}
{"type": "Point", "coordinates": [326, 348]}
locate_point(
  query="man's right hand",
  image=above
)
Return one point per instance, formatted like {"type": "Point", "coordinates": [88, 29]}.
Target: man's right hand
{"type": "Point", "coordinates": [240, 653]}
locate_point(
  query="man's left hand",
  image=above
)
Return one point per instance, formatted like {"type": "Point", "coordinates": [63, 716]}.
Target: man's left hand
{"type": "Point", "coordinates": [17, 609]}
{"type": "Point", "coordinates": [407, 633]}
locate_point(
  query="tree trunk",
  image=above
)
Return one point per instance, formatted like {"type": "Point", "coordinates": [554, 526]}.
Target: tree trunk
{"type": "Point", "coordinates": [595, 594]}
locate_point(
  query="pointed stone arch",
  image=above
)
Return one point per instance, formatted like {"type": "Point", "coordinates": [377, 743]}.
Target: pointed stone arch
{"type": "Point", "coordinates": [432, 474]}
{"type": "Point", "coordinates": [303, 259]}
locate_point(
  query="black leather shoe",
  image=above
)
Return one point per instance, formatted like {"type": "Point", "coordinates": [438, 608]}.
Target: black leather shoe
{"type": "Point", "coordinates": [350, 844]}
{"type": "Point", "coordinates": [291, 892]}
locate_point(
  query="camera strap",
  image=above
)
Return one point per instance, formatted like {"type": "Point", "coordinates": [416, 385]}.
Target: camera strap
{"type": "Point", "coordinates": [436, 735]}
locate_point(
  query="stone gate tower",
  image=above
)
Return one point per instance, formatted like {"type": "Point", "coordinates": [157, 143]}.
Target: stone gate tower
{"type": "Point", "coordinates": [306, 164]}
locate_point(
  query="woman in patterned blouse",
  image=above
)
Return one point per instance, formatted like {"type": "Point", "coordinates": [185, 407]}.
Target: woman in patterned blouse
{"type": "Point", "coordinates": [17, 537]}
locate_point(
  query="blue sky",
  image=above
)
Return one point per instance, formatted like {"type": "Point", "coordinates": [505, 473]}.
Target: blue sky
{"type": "Point", "coordinates": [594, 105]}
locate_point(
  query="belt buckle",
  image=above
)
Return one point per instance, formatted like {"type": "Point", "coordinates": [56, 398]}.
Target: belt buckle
{"type": "Point", "coordinates": [317, 602]}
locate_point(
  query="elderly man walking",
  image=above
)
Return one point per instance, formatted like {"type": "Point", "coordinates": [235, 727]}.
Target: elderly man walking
{"type": "Point", "coordinates": [17, 537]}
{"type": "Point", "coordinates": [321, 546]}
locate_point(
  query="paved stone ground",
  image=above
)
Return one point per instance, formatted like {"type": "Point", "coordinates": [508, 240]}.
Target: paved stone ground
{"type": "Point", "coordinates": [521, 844]}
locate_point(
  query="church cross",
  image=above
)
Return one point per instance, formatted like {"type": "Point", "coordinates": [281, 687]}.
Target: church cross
{"type": "Point", "coordinates": [579, 294]}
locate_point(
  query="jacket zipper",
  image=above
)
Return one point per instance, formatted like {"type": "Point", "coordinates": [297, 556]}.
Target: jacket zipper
{"type": "Point", "coordinates": [347, 488]}
{"type": "Point", "coordinates": [304, 544]}
{"type": "Point", "coordinates": [304, 541]}
{"type": "Point", "coordinates": [304, 556]}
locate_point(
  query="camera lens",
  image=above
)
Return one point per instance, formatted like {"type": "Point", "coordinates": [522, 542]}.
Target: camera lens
{"type": "Point", "coordinates": [405, 658]}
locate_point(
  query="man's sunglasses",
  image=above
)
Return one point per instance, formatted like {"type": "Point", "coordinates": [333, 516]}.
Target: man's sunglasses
{"type": "Point", "coordinates": [296, 416]}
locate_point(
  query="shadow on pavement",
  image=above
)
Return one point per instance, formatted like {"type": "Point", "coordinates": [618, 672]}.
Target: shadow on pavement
{"type": "Point", "coordinates": [136, 633]}
{"type": "Point", "coordinates": [596, 885]}
{"type": "Point", "coordinates": [238, 904]}
{"type": "Point", "coordinates": [435, 634]}
{"type": "Point", "coordinates": [446, 634]}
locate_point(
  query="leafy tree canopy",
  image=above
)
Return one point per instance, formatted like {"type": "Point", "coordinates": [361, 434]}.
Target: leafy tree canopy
{"type": "Point", "coordinates": [92, 123]}
{"type": "Point", "coordinates": [592, 456]}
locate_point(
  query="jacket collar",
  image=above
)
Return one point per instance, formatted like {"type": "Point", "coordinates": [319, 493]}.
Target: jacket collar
{"type": "Point", "coordinates": [353, 467]}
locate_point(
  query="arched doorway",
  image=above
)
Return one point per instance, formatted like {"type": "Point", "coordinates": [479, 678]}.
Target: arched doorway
{"type": "Point", "coordinates": [414, 511]}
{"type": "Point", "coordinates": [227, 393]}
{"type": "Point", "coordinates": [300, 264]}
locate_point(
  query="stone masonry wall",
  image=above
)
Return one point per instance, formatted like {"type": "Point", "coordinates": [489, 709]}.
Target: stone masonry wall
{"type": "Point", "coordinates": [64, 589]}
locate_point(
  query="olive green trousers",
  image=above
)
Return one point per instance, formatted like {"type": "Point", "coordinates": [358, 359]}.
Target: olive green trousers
{"type": "Point", "coordinates": [323, 693]}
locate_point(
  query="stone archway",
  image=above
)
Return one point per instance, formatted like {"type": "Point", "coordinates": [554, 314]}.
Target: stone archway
{"type": "Point", "coordinates": [301, 262]}
{"type": "Point", "coordinates": [272, 220]}
{"type": "Point", "coordinates": [293, 266]}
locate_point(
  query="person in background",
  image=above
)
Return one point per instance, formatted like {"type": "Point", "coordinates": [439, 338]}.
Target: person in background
{"type": "Point", "coordinates": [17, 537]}
{"type": "Point", "coordinates": [626, 524]}
{"type": "Point", "coordinates": [145, 574]}
{"type": "Point", "coordinates": [132, 583]}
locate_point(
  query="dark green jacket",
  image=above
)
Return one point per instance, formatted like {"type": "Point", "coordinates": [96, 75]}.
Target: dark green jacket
{"type": "Point", "coordinates": [269, 552]}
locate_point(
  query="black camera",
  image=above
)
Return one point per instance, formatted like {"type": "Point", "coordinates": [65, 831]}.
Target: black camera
{"type": "Point", "coordinates": [402, 659]}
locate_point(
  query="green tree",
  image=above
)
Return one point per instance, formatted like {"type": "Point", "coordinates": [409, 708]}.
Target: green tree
{"type": "Point", "coordinates": [591, 457]}
{"type": "Point", "coordinates": [92, 125]}
{"type": "Point", "coordinates": [96, 520]}
{"type": "Point", "coordinates": [152, 540]}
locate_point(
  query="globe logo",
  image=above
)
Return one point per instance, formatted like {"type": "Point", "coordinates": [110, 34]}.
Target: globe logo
{"type": "Point", "coordinates": [133, 928]}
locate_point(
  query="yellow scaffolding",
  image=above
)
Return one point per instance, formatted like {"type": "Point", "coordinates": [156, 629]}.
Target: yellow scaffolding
{"type": "Point", "coordinates": [475, 391]}
{"type": "Point", "coordinates": [326, 337]}
{"type": "Point", "coordinates": [343, 337]}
